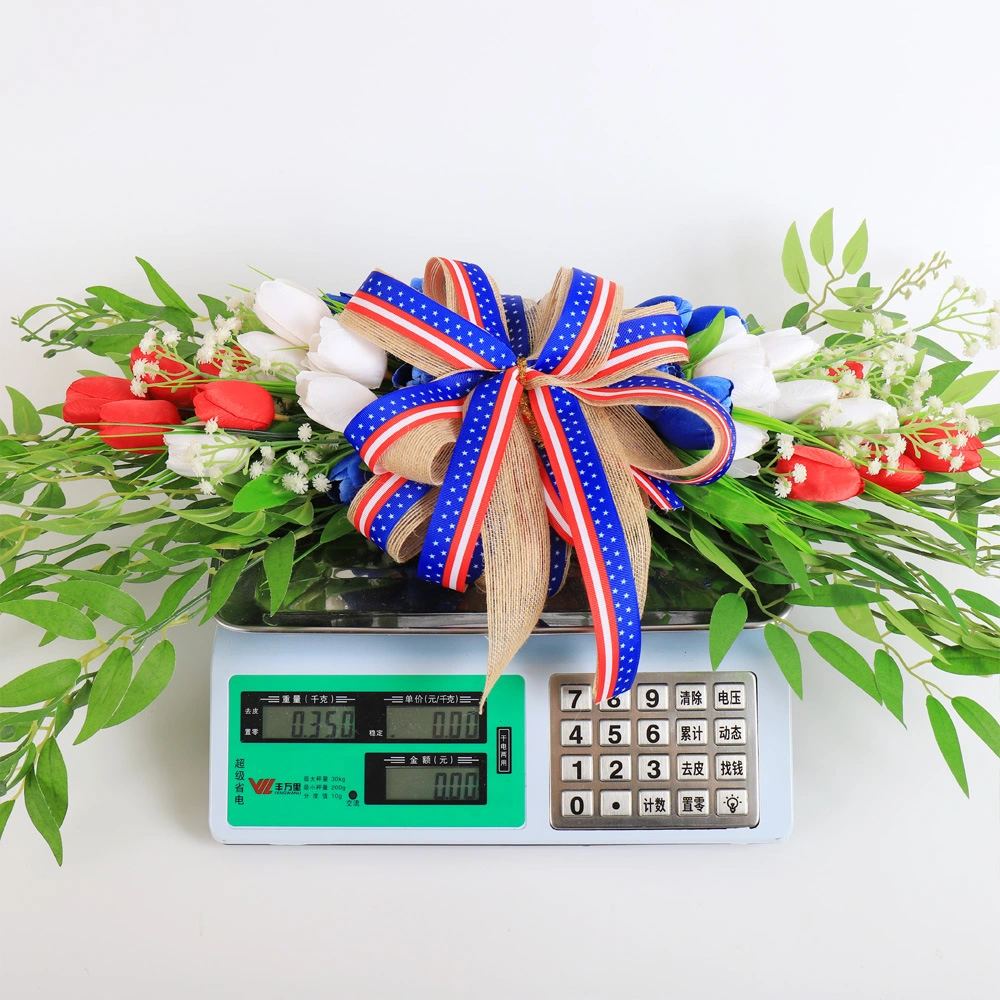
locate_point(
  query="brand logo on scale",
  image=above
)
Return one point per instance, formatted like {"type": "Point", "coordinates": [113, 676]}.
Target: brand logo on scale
{"type": "Point", "coordinates": [262, 786]}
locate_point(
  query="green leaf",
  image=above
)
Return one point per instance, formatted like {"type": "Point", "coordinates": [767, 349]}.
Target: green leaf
{"type": "Point", "coordinates": [223, 583]}
{"type": "Point", "coordinates": [845, 319]}
{"type": "Point", "coordinates": [6, 808]}
{"type": "Point", "coordinates": [163, 291]}
{"type": "Point", "coordinates": [942, 376]}
{"type": "Point", "coordinates": [174, 594]}
{"type": "Point", "coordinates": [890, 683]}
{"type": "Point", "coordinates": [793, 261]}
{"type": "Point", "coordinates": [979, 721]}
{"type": "Point", "coordinates": [701, 344]}
{"type": "Point", "coordinates": [947, 740]}
{"type": "Point", "coordinates": [791, 559]}
{"type": "Point", "coordinates": [54, 410]}
{"type": "Point", "coordinates": [52, 779]}
{"type": "Point", "coordinates": [336, 527]}
{"type": "Point", "coordinates": [979, 603]}
{"type": "Point", "coordinates": [150, 679]}
{"type": "Point", "coordinates": [728, 618]}
{"type": "Point", "coordinates": [821, 239]}
{"type": "Point", "coordinates": [856, 250]}
{"type": "Point", "coordinates": [860, 620]}
{"type": "Point", "coordinates": [26, 418]}
{"type": "Point", "coordinates": [934, 349]}
{"type": "Point", "coordinates": [715, 555]}
{"type": "Point", "coordinates": [942, 593]}
{"type": "Point", "coordinates": [107, 691]}
{"type": "Point", "coordinates": [855, 297]}
{"type": "Point", "coordinates": [834, 595]}
{"type": "Point", "coordinates": [41, 817]}
{"type": "Point", "coordinates": [278, 559]}
{"type": "Point", "coordinates": [126, 306]}
{"type": "Point", "coordinates": [786, 655]}
{"type": "Point", "coordinates": [969, 662]}
{"type": "Point", "coordinates": [965, 389]}
{"type": "Point", "coordinates": [215, 307]}
{"type": "Point", "coordinates": [104, 599]}
{"type": "Point", "coordinates": [795, 315]}
{"type": "Point", "coordinates": [259, 494]}
{"type": "Point", "coordinates": [842, 656]}
{"type": "Point", "coordinates": [906, 627]}
{"type": "Point", "coordinates": [52, 616]}
{"type": "Point", "coordinates": [50, 680]}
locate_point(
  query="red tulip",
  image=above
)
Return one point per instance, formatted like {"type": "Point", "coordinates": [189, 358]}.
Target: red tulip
{"type": "Point", "coordinates": [828, 475]}
{"type": "Point", "coordinates": [126, 423]}
{"type": "Point", "coordinates": [239, 405]}
{"type": "Point", "coordinates": [906, 477]}
{"type": "Point", "coordinates": [162, 383]}
{"type": "Point", "coordinates": [86, 396]}
{"type": "Point", "coordinates": [923, 449]}
{"type": "Point", "coordinates": [855, 366]}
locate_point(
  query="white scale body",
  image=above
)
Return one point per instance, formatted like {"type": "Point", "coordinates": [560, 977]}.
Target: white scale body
{"type": "Point", "coordinates": [339, 735]}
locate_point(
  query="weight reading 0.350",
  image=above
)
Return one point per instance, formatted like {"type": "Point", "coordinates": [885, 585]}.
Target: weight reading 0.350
{"type": "Point", "coordinates": [285, 722]}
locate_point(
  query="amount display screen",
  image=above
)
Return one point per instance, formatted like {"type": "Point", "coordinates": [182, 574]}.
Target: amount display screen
{"type": "Point", "coordinates": [289, 722]}
{"type": "Point", "coordinates": [433, 784]}
{"type": "Point", "coordinates": [451, 723]}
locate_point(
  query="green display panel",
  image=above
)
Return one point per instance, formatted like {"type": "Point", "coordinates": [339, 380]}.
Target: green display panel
{"type": "Point", "coordinates": [366, 750]}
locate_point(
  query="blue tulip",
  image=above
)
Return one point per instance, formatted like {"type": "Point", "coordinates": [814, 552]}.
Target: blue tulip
{"type": "Point", "coordinates": [407, 375]}
{"type": "Point", "coordinates": [703, 316]}
{"type": "Point", "coordinates": [344, 297]}
{"type": "Point", "coordinates": [417, 283]}
{"type": "Point", "coordinates": [346, 477]}
{"type": "Point", "coordinates": [684, 308]}
{"type": "Point", "coordinates": [683, 428]}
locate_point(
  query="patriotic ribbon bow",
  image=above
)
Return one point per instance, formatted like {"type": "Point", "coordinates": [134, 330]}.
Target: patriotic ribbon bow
{"type": "Point", "coordinates": [526, 444]}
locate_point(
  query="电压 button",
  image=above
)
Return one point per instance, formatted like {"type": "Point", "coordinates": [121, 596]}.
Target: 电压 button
{"type": "Point", "coordinates": [730, 697]}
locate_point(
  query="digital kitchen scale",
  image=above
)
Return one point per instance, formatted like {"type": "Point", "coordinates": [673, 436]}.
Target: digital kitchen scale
{"type": "Point", "coordinates": [352, 717]}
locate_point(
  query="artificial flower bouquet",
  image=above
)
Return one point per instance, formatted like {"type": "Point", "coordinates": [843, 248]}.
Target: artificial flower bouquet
{"type": "Point", "coordinates": [497, 442]}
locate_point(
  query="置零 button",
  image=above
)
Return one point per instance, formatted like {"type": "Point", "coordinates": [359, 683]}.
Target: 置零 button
{"type": "Point", "coordinates": [620, 703]}
{"type": "Point", "coordinates": [577, 768]}
{"type": "Point", "coordinates": [728, 731]}
{"type": "Point", "coordinates": [616, 768]}
{"type": "Point", "coordinates": [576, 733]}
{"type": "Point", "coordinates": [652, 697]}
{"type": "Point", "coordinates": [654, 802]}
{"type": "Point", "coordinates": [730, 697]}
{"type": "Point", "coordinates": [692, 766]}
{"type": "Point", "coordinates": [575, 698]}
{"type": "Point", "coordinates": [578, 803]}
{"type": "Point", "coordinates": [653, 767]}
{"type": "Point", "coordinates": [653, 732]}
{"type": "Point", "coordinates": [693, 803]}
{"type": "Point", "coordinates": [693, 732]}
{"type": "Point", "coordinates": [730, 766]}
{"type": "Point", "coordinates": [616, 803]}
{"type": "Point", "coordinates": [731, 802]}
{"type": "Point", "coordinates": [613, 733]}
{"type": "Point", "coordinates": [690, 696]}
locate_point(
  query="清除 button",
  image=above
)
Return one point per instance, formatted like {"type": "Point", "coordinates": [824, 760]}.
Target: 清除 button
{"type": "Point", "coordinates": [613, 733]}
{"type": "Point", "coordinates": [654, 802]}
{"type": "Point", "coordinates": [577, 768]}
{"type": "Point", "coordinates": [693, 732]}
{"type": "Point", "coordinates": [731, 802]}
{"type": "Point", "coordinates": [575, 698]}
{"type": "Point", "coordinates": [579, 803]}
{"type": "Point", "coordinates": [692, 766]}
{"type": "Point", "coordinates": [653, 767]}
{"type": "Point", "coordinates": [620, 703]}
{"type": "Point", "coordinates": [728, 731]}
{"type": "Point", "coordinates": [576, 733]}
{"type": "Point", "coordinates": [693, 803]}
{"type": "Point", "coordinates": [653, 732]}
{"type": "Point", "coordinates": [616, 803]}
{"type": "Point", "coordinates": [690, 696]}
{"type": "Point", "coordinates": [652, 697]}
{"type": "Point", "coordinates": [730, 697]}
{"type": "Point", "coordinates": [730, 766]}
{"type": "Point", "coordinates": [616, 768]}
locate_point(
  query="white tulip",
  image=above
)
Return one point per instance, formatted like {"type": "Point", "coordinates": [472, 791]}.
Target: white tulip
{"type": "Point", "coordinates": [754, 387]}
{"type": "Point", "coordinates": [786, 348]}
{"type": "Point", "coordinates": [331, 400]}
{"type": "Point", "coordinates": [739, 343]}
{"type": "Point", "coordinates": [206, 456]}
{"type": "Point", "coordinates": [271, 349]}
{"type": "Point", "coordinates": [289, 310]}
{"type": "Point", "coordinates": [732, 327]}
{"type": "Point", "coordinates": [340, 351]}
{"type": "Point", "coordinates": [743, 468]}
{"type": "Point", "coordinates": [857, 412]}
{"type": "Point", "coordinates": [749, 440]}
{"type": "Point", "coordinates": [799, 396]}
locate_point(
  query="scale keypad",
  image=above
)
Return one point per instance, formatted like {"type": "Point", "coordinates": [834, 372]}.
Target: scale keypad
{"type": "Point", "coordinates": [677, 751]}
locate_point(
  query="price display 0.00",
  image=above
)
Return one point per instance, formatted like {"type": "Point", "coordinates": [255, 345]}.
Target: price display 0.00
{"type": "Point", "coordinates": [453, 724]}
{"type": "Point", "coordinates": [432, 784]}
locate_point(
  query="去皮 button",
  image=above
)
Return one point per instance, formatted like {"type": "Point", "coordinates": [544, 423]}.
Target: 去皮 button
{"type": "Point", "coordinates": [576, 732]}
{"type": "Point", "coordinates": [616, 803]}
{"type": "Point", "coordinates": [692, 766]}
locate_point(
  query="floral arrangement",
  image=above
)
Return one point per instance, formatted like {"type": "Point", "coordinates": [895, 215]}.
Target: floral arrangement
{"type": "Point", "coordinates": [486, 439]}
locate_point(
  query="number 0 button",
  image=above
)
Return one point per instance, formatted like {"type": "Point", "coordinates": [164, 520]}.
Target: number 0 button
{"type": "Point", "coordinates": [576, 733]}
{"type": "Point", "coordinates": [579, 803]}
{"type": "Point", "coordinates": [613, 733]}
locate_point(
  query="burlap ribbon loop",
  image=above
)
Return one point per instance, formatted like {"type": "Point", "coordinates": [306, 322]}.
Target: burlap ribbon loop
{"type": "Point", "coordinates": [526, 446]}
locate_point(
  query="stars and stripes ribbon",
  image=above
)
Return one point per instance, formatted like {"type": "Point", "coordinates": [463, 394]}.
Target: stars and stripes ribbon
{"type": "Point", "coordinates": [526, 446]}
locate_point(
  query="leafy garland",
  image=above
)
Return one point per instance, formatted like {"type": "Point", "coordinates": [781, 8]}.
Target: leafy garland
{"type": "Point", "coordinates": [70, 569]}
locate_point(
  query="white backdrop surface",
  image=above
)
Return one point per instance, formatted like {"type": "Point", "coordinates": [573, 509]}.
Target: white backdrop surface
{"type": "Point", "coordinates": [665, 145]}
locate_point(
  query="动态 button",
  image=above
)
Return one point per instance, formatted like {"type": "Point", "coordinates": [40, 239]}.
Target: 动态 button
{"type": "Point", "coordinates": [575, 698]}
{"type": "Point", "coordinates": [616, 803]}
{"type": "Point", "coordinates": [652, 697]}
{"type": "Point", "coordinates": [730, 697]}
{"type": "Point", "coordinates": [693, 803]}
{"type": "Point", "coordinates": [616, 768]}
{"type": "Point", "coordinates": [730, 731]}
{"type": "Point", "coordinates": [579, 803]}
{"type": "Point", "coordinates": [654, 802]}
{"type": "Point", "coordinates": [731, 802]}
{"type": "Point", "coordinates": [577, 768]}
{"type": "Point", "coordinates": [576, 733]}
{"type": "Point", "coordinates": [693, 732]}
{"type": "Point", "coordinates": [692, 766]}
{"type": "Point", "coordinates": [690, 696]}
{"type": "Point", "coordinates": [730, 766]}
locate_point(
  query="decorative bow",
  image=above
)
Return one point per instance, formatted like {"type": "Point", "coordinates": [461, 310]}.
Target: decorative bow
{"type": "Point", "coordinates": [526, 442]}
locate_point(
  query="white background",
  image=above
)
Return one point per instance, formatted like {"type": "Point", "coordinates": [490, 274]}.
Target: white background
{"type": "Point", "coordinates": [662, 145]}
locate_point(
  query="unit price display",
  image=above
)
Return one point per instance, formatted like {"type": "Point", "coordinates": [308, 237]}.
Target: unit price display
{"type": "Point", "coordinates": [419, 723]}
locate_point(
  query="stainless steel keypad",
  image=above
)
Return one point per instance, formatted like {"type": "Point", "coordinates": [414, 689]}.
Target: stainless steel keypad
{"type": "Point", "coordinates": [677, 751]}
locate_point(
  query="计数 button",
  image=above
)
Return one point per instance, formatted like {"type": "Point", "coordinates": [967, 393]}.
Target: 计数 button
{"type": "Point", "coordinates": [654, 802]}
